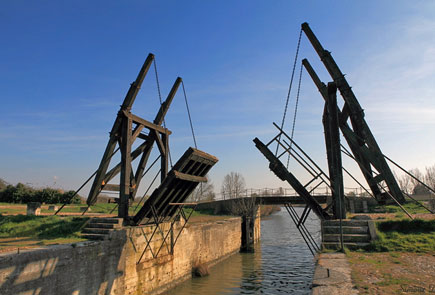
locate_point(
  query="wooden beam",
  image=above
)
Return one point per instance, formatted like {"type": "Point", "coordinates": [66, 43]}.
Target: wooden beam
{"type": "Point", "coordinates": [135, 86]}
{"type": "Point", "coordinates": [125, 169]}
{"type": "Point", "coordinates": [136, 132]}
{"type": "Point", "coordinates": [146, 123]}
{"type": "Point", "coordinates": [111, 187]}
{"type": "Point", "coordinates": [279, 169]}
{"type": "Point", "coordinates": [356, 113]}
{"type": "Point", "coordinates": [115, 132]}
{"type": "Point", "coordinates": [336, 175]}
{"type": "Point", "coordinates": [188, 177]}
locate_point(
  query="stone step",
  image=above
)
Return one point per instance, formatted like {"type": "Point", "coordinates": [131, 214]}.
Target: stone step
{"type": "Point", "coordinates": [117, 221]}
{"type": "Point", "coordinates": [103, 225]}
{"type": "Point", "coordinates": [346, 229]}
{"type": "Point", "coordinates": [98, 237]}
{"type": "Point", "coordinates": [101, 231]}
{"type": "Point", "coordinates": [345, 222]}
{"type": "Point", "coordinates": [336, 246]}
{"type": "Point", "coordinates": [353, 238]}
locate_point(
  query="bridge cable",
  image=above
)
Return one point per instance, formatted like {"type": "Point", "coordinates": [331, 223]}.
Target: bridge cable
{"type": "Point", "coordinates": [83, 185]}
{"type": "Point", "coordinates": [161, 103]}
{"type": "Point", "coordinates": [290, 88]}
{"type": "Point", "coordinates": [191, 128]}
{"type": "Point", "coordinates": [188, 114]}
{"type": "Point", "coordinates": [296, 112]}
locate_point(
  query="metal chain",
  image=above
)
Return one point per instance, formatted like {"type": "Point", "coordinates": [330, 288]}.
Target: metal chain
{"type": "Point", "coordinates": [161, 103]}
{"type": "Point", "coordinates": [296, 111]}
{"type": "Point", "coordinates": [191, 128]}
{"type": "Point", "coordinates": [188, 113]}
{"type": "Point", "coordinates": [290, 88]}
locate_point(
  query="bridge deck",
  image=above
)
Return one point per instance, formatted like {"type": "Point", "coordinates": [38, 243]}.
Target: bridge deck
{"type": "Point", "coordinates": [278, 200]}
{"type": "Point", "coordinates": [189, 170]}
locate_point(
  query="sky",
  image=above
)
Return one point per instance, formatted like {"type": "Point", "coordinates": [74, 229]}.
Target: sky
{"type": "Point", "coordinates": [65, 67]}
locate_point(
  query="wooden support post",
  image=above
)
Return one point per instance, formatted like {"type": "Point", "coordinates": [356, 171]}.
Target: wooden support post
{"type": "Point", "coordinates": [348, 133]}
{"type": "Point", "coordinates": [165, 157]}
{"type": "Point", "coordinates": [129, 99]}
{"type": "Point", "coordinates": [364, 138]}
{"type": "Point", "coordinates": [158, 121]}
{"type": "Point", "coordinates": [125, 187]}
{"type": "Point", "coordinates": [335, 164]}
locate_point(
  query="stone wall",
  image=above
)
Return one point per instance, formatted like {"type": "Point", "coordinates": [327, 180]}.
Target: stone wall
{"type": "Point", "coordinates": [359, 204]}
{"type": "Point", "coordinates": [115, 266]}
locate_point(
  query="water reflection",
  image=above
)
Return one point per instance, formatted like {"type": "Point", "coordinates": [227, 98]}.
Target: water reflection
{"type": "Point", "coordinates": [281, 264]}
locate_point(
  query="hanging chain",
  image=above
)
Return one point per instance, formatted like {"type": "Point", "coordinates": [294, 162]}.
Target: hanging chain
{"type": "Point", "coordinates": [289, 89]}
{"type": "Point", "coordinates": [191, 128]}
{"type": "Point", "coordinates": [161, 103]}
{"type": "Point", "coordinates": [188, 113]}
{"type": "Point", "coordinates": [296, 112]}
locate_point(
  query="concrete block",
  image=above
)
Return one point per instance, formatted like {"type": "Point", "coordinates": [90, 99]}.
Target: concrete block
{"type": "Point", "coordinates": [372, 230]}
{"type": "Point", "coordinates": [365, 207]}
{"type": "Point", "coordinates": [352, 206]}
{"type": "Point", "coordinates": [53, 208]}
{"type": "Point", "coordinates": [33, 208]}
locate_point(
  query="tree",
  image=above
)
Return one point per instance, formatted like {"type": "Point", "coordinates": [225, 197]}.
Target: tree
{"type": "Point", "coordinates": [3, 184]}
{"type": "Point", "coordinates": [404, 182]}
{"type": "Point", "coordinates": [429, 177]}
{"type": "Point", "coordinates": [203, 192]}
{"type": "Point", "coordinates": [417, 174]}
{"type": "Point", "coordinates": [233, 186]}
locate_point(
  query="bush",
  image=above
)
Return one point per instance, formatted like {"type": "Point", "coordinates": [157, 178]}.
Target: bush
{"type": "Point", "coordinates": [24, 194]}
{"type": "Point", "coordinates": [69, 198]}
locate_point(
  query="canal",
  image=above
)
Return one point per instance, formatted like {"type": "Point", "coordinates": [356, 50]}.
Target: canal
{"type": "Point", "coordinates": [281, 264]}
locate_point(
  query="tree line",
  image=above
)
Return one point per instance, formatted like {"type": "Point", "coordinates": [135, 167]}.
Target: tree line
{"type": "Point", "coordinates": [23, 194]}
{"type": "Point", "coordinates": [411, 186]}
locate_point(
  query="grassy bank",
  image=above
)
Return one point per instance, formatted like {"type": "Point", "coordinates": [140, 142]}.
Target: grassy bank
{"type": "Point", "coordinates": [400, 260]}
{"type": "Point", "coordinates": [404, 235]}
{"type": "Point", "coordinates": [40, 227]}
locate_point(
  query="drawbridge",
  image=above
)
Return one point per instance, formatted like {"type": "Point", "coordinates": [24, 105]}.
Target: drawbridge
{"type": "Point", "coordinates": [363, 148]}
{"type": "Point", "coordinates": [134, 138]}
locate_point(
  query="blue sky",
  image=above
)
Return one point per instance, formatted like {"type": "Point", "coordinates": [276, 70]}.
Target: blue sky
{"type": "Point", "coordinates": [66, 66]}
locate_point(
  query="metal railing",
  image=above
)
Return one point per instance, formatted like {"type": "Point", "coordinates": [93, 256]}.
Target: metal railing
{"type": "Point", "coordinates": [287, 192]}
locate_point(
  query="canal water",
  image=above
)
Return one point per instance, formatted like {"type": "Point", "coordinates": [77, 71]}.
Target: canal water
{"type": "Point", "coordinates": [281, 264]}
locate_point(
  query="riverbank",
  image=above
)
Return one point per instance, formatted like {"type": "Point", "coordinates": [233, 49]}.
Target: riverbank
{"type": "Point", "coordinates": [122, 264]}
{"type": "Point", "coordinates": [392, 272]}
{"type": "Point", "coordinates": [400, 261]}
{"type": "Point", "coordinates": [332, 275]}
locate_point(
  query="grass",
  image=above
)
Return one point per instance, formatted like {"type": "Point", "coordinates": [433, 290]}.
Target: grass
{"type": "Point", "coordinates": [41, 227]}
{"type": "Point", "coordinates": [411, 206]}
{"type": "Point", "coordinates": [103, 208]}
{"type": "Point", "coordinates": [404, 235]}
